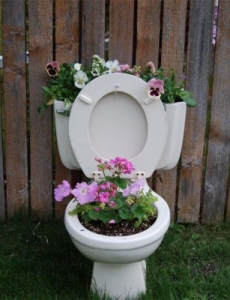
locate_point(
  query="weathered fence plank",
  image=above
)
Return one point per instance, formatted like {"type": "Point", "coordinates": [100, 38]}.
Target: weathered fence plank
{"type": "Point", "coordinates": [172, 56]}
{"type": "Point", "coordinates": [67, 39]}
{"type": "Point", "coordinates": [93, 30]}
{"type": "Point", "coordinates": [216, 179]}
{"type": "Point", "coordinates": [121, 31]}
{"type": "Point", "coordinates": [41, 51]}
{"type": "Point", "coordinates": [14, 84]}
{"type": "Point", "coordinates": [198, 77]}
{"type": "Point", "coordinates": [2, 188]}
{"type": "Point", "coordinates": [93, 38]}
{"type": "Point", "coordinates": [169, 33]}
{"type": "Point", "coordinates": [148, 39]}
{"type": "Point", "coordinates": [228, 205]}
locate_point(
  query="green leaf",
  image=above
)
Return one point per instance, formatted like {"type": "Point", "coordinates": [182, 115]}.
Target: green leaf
{"type": "Point", "coordinates": [138, 211]}
{"type": "Point", "coordinates": [64, 113]}
{"type": "Point", "coordinates": [94, 215]}
{"type": "Point", "coordinates": [73, 212]}
{"type": "Point", "coordinates": [125, 213]}
{"type": "Point", "coordinates": [42, 108]}
{"type": "Point", "coordinates": [119, 202]}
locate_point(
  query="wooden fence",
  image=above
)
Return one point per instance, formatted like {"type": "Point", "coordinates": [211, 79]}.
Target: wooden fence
{"type": "Point", "coordinates": [171, 33]}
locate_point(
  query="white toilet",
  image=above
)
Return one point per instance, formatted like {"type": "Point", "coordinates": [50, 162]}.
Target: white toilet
{"type": "Point", "coordinates": [113, 116]}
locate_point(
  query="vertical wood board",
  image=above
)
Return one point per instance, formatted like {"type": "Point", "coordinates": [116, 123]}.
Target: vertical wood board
{"type": "Point", "coordinates": [173, 35]}
{"type": "Point", "coordinates": [2, 185]}
{"type": "Point", "coordinates": [228, 202]}
{"type": "Point", "coordinates": [67, 30]}
{"type": "Point", "coordinates": [172, 56]}
{"type": "Point", "coordinates": [67, 35]}
{"type": "Point", "coordinates": [148, 32]}
{"type": "Point", "coordinates": [121, 31]}
{"type": "Point", "coordinates": [197, 81]}
{"type": "Point", "coordinates": [14, 88]}
{"type": "Point", "coordinates": [216, 179]}
{"type": "Point", "coordinates": [93, 30]}
{"type": "Point", "coordinates": [41, 52]}
{"type": "Point", "coordinates": [148, 20]}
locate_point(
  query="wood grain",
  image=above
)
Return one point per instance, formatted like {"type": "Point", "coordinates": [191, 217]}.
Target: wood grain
{"type": "Point", "coordinates": [121, 31]}
{"type": "Point", "coordinates": [197, 81]}
{"type": "Point", "coordinates": [148, 32]}
{"type": "Point", "coordinates": [216, 177]}
{"type": "Point", "coordinates": [41, 52]}
{"type": "Point", "coordinates": [67, 43]}
{"type": "Point", "coordinates": [93, 30]}
{"type": "Point", "coordinates": [15, 106]}
{"type": "Point", "coordinates": [172, 56]}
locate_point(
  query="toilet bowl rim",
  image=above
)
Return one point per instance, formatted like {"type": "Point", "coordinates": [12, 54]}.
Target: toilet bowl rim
{"type": "Point", "coordinates": [90, 239]}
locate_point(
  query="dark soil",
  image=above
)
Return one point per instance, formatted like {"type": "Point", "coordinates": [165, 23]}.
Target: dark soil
{"type": "Point", "coordinates": [120, 229]}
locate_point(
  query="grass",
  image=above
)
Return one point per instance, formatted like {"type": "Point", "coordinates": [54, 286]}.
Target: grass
{"type": "Point", "coordinates": [39, 262]}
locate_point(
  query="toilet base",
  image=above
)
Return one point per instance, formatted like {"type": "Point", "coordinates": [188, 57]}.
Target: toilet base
{"type": "Point", "coordinates": [119, 280]}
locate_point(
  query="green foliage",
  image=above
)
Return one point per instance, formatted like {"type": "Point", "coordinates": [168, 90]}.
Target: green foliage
{"type": "Point", "coordinates": [173, 89]}
{"type": "Point", "coordinates": [62, 84]}
{"type": "Point", "coordinates": [118, 181]}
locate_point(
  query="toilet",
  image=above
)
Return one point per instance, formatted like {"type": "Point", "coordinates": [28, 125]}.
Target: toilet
{"type": "Point", "coordinates": [113, 116]}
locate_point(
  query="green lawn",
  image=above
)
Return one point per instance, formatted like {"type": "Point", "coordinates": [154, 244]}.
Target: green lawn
{"type": "Point", "coordinates": [39, 262]}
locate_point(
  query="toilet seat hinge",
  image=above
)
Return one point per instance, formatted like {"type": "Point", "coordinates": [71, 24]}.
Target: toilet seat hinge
{"type": "Point", "coordinates": [97, 175]}
{"type": "Point", "coordinates": [140, 174]}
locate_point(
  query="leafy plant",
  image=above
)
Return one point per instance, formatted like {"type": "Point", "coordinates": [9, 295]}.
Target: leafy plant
{"type": "Point", "coordinates": [68, 80]}
{"type": "Point", "coordinates": [112, 198]}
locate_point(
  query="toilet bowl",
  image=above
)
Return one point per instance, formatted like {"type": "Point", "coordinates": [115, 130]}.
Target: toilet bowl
{"type": "Point", "coordinates": [113, 116]}
{"type": "Point", "coordinates": [119, 262]}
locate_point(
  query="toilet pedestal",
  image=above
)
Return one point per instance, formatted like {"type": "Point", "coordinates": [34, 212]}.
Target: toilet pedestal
{"type": "Point", "coordinates": [119, 280]}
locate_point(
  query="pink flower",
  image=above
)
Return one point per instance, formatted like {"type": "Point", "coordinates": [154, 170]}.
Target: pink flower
{"type": "Point", "coordinates": [125, 67]}
{"type": "Point", "coordinates": [62, 190]}
{"type": "Point", "coordinates": [150, 65]}
{"type": "Point", "coordinates": [84, 193]}
{"type": "Point", "coordinates": [155, 88]}
{"type": "Point", "coordinates": [112, 221]}
{"type": "Point", "coordinates": [52, 68]}
{"type": "Point", "coordinates": [134, 188]}
{"type": "Point", "coordinates": [122, 165]}
{"type": "Point", "coordinates": [112, 204]}
{"type": "Point", "coordinates": [104, 197]}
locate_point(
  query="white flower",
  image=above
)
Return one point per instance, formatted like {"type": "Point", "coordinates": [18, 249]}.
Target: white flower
{"type": "Point", "coordinates": [77, 67]}
{"type": "Point", "coordinates": [95, 56]}
{"type": "Point", "coordinates": [113, 66]}
{"type": "Point", "coordinates": [98, 60]}
{"type": "Point", "coordinates": [80, 79]}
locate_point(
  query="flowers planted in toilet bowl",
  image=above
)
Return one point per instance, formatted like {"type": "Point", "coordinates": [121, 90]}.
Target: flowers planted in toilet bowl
{"type": "Point", "coordinates": [67, 81]}
{"type": "Point", "coordinates": [110, 201]}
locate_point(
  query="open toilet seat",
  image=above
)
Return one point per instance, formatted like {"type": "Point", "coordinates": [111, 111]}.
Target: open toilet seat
{"type": "Point", "coordinates": [113, 116]}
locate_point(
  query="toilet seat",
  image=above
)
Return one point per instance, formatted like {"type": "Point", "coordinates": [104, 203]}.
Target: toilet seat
{"type": "Point", "coordinates": [113, 116]}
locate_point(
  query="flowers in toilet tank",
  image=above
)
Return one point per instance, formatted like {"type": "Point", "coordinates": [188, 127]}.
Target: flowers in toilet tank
{"type": "Point", "coordinates": [155, 88]}
{"type": "Point", "coordinates": [67, 81]}
{"type": "Point", "coordinates": [110, 198]}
